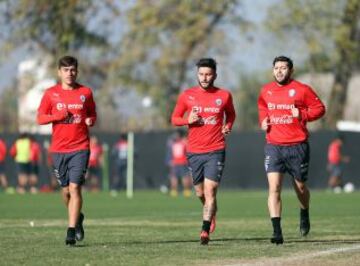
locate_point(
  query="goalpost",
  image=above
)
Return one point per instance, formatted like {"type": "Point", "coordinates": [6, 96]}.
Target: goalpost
{"type": "Point", "coordinates": [130, 167]}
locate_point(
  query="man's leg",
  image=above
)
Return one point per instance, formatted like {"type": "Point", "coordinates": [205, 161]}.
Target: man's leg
{"type": "Point", "coordinates": [303, 195]}
{"type": "Point", "coordinates": [186, 183]}
{"type": "Point", "coordinates": [275, 205]}
{"type": "Point", "coordinates": [22, 182]}
{"type": "Point", "coordinates": [209, 208]}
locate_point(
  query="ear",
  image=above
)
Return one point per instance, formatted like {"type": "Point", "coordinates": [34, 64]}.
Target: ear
{"type": "Point", "coordinates": [215, 76]}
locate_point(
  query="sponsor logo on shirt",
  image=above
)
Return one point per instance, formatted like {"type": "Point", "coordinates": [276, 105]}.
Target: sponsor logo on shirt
{"type": "Point", "coordinates": [218, 102]}
{"type": "Point", "coordinates": [281, 120]}
{"type": "Point", "coordinates": [280, 106]}
{"type": "Point", "coordinates": [82, 98]}
{"type": "Point", "coordinates": [76, 106]}
{"type": "Point", "coordinates": [60, 106]}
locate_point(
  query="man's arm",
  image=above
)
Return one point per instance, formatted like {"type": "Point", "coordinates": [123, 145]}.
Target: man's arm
{"type": "Point", "coordinates": [91, 112]}
{"type": "Point", "coordinates": [177, 117]}
{"type": "Point", "coordinates": [314, 108]}
{"type": "Point", "coordinates": [44, 115]}
{"type": "Point", "coordinates": [230, 116]}
{"type": "Point", "coordinates": [263, 113]}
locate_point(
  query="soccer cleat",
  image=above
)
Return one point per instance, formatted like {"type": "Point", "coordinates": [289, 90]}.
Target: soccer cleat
{"type": "Point", "coordinates": [204, 238]}
{"type": "Point", "coordinates": [79, 229]}
{"type": "Point", "coordinates": [70, 237]}
{"type": "Point", "coordinates": [277, 239]}
{"type": "Point", "coordinates": [213, 224]}
{"type": "Point", "coordinates": [304, 226]}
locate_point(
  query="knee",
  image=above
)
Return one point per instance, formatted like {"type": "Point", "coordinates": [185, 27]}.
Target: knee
{"type": "Point", "coordinates": [276, 190]}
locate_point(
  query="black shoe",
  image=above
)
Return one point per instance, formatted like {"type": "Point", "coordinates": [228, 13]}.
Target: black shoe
{"type": "Point", "coordinates": [79, 229]}
{"type": "Point", "coordinates": [70, 237]}
{"type": "Point", "coordinates": [277, 239]}
{"type": "Point", "coordinates": [304, 226]}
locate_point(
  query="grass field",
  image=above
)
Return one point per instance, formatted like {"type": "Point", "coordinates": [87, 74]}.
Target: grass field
{"type": "Point", "coordinates": [154, 229]}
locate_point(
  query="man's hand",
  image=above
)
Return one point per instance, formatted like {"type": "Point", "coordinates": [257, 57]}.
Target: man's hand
{"type": "Point", "coordinates": [265, 124]}
{"type": "Point", "coordinates": [193, 116]}
{"type": "Point", "coordinates": [296, 113]}
{"type": "Point", "coordinates": [61, 115]}
{"type": "Point", "coordinates": [89, 122]}
{"type": "Point", "coordinates": [225, 130]}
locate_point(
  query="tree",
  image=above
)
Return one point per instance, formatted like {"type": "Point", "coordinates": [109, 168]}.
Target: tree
{"type": "Point", "coordinates": [162, 42]}
{"type": "Point", "coordinates": [330, 30]}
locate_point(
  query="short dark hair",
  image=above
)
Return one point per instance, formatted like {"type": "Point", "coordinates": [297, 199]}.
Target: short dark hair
{"type": "Point", "coordinates": [282, 58]}
{"type": "Point", "coordinates": [207, 62]}
{"type": "Point", "coordinates": [67, 61]}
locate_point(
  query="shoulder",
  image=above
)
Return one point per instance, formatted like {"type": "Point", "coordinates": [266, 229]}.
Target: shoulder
{"type": "Point", "coordinates": [84, 89]}
{"type": "Point", "coordinates": [269, 86]}
{"type": "Point", "coordinates": [299, 85]}
{"type": "Point", "coordinates": [51, 90]}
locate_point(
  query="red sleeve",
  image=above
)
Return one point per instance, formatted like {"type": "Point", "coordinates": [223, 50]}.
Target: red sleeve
{"type": "Point", "coordinates": [13, 150]}
{"type": "Point", "coordinates": [91, 109]}
{"type": "Point", "coordinates": [314, 108]}
{"type": "Point", "coordinates": [229, 112]}
{"type": "Point", "coordinates": [44, 115]}
{"type": "Point", "coordinates": [177, 117]}
{"type": "Point", "coordinates": [2, 148]}
{"type": "Point", "coordinates": [262, 107]}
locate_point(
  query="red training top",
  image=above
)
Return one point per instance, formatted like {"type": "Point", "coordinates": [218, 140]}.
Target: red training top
{"type": "Point", "coordinates": [2, 150]}
{"type": "Point", "coordinates": [211, 105]}
{"type": "Point", "coordinates": [95, 154]}
{"type": "Point", "coordinates": [35, 152]}
{"type": "Point", "coordinates": [334, 152]}
{"type": "Point", "coordinates": [178, 152]}
{"type": "Point", "coordinates": [275, 103]}
{"type": "Point", "coordinates": [69, 134]}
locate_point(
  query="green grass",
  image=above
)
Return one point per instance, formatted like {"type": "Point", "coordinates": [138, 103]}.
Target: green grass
{"type": "Point", "coordinates": [154, 229]}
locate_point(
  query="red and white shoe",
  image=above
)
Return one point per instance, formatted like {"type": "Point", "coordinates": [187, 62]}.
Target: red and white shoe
{"type": "Point", "coordinates": [204, 238]}
{"type": "Point", "coordinates": [213, 224]}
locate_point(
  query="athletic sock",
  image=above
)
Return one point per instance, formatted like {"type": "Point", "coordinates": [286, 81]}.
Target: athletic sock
{"type": "Point", "coordinates": [276, 225]}
{"type": "Point", "coordinates": [304, 213]}
{"type": "Point", "coordinates": [206, 226]}
{"type": "Point", "coordinates": [71, 231]}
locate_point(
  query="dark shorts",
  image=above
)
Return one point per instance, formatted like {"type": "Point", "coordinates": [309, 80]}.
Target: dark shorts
{"type": "Point", "coordinates": [209, 165]}
{"type": "Point", "coordinates": [181, 171]}
{"type": "Point", "coordinates": [24, 168]}
{"type": "Point", "coordinates": [34, 169]}
{"type": "Point", "coordinates": [70, 167]}
{"type": "Point", "coordinates": [94, 170]}
{"type": "Point", "coordinates": [2, 168]}
{"type": "Point", "coordinates": [335, 169]}
{"type": "Point", "coordinates": [291, 159]}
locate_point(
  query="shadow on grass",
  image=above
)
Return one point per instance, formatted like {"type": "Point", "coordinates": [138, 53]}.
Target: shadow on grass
{"type": "Point", "coordinates": [218, 241]}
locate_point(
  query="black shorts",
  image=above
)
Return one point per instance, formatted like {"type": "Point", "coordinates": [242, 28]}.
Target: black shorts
{"type": "Point", "coordinates": [335, 169]}
{"type": "Point", "coordinates": [180, 171]}
{"type": "Point", "coordinates": [24, 168]}
{"type": "Point", "coordinates": [70, 167]}
{"type": "Point", "coordinates": [34, 169]}
{"type": "Point", "coordinates": [209, 165]}
{"type": "Point", "coordinates": [2, 168]}
{"type": "Point", "coordinates": [291, 159]}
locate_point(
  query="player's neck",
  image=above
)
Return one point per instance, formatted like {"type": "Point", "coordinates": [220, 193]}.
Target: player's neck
{"type": "Point", "coordinates": [66, 86]}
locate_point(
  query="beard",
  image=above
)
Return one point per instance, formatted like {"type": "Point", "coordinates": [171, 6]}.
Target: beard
{"type": "Point", "coordinates": [285, 80]}
{"type": "Point", "coordinates": [207, 85]}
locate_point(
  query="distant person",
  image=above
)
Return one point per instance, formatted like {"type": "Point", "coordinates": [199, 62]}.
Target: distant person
{"type": "Point", "coordinates": [179, 164]}
{"type": "Point", "coordinates": [35, 159]}
{"type": "Point", "coordinates": [70, 108]}
{"type": "Point", "coordinates": [209, 113]}
{"type": "Point", "coordinates": [95, 161]}
{"type": "Point", "coordinates": [335, 164]}
{"type": "Point", "coordinates": [3, 151]}
{"type": "Point", "coordinates": [285, 106]}
{"type": "Point", "coordinates": [21, 152]}
{"type": "Point", "coordinates": [120, 153]}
